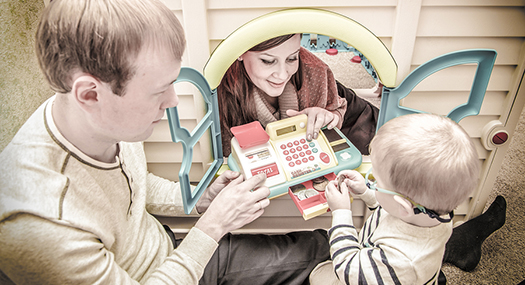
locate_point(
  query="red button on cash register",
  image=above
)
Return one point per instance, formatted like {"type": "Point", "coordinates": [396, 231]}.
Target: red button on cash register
{"type": "Point", "coordinates": [270, 170]}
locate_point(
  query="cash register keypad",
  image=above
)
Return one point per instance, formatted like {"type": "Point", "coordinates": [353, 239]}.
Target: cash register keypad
{"type": "Point", "coordinates": [301, 156]}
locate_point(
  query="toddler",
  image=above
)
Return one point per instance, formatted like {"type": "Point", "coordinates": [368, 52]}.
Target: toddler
{"type": "Point", "coordinates": [424, 166]}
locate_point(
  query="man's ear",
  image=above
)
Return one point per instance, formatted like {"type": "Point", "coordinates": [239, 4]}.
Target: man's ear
{"type": "Point", "coordinates": [405, 207]}
{"type": "Point", "coordinates": [85, 91]}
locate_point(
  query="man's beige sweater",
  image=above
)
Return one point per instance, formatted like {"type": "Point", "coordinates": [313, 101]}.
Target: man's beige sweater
{"type": "Point", "coordinates": [67, 218]}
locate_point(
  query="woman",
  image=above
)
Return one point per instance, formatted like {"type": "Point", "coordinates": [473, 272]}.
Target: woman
{"type": "Point", "coordinates": [278, 79]}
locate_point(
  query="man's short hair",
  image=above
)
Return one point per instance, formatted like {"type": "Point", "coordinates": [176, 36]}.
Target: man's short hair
{"type": "Point", "coordinates": [102, 38]}
{"type": "Point", "coordinates": [429, 158]}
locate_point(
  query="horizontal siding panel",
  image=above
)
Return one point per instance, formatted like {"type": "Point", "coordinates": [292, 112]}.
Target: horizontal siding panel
{"type": "Point", "coordinates": [473, 125]}
{"type": "Point", "coordinates": [473, 3]}
{"type": "Point", "coordinates": [170, 171]}
{"type": "Point", "coordinates": [471, 22]}
{"type": "Point", "coordinates": [460, 78]}
{"type": "Point", "coordinates": [445, 101]}
{"type": "Point", "coordinates": [185, 89]}
{"type": "Point", "coordinates": [242, 4]}
{"type": "Point", "coordinates": [173, 4]}
{"type": "Point", "coordinates": [462, 209]}
{"type": "Point", "coordinates": [379, 20]}
{"type": "Point", "coordinates": [222, 23]}
{"type": "Point", "coordinates": [160, 152]}
{"type": "Point", "coordinates": [188, 112]}
{"type": "Point", "coordinates": [483, 153]}
{"type": "Point", "coordinates": [161, 133]}
{"type": "Point", "coordinates": [427, 48]}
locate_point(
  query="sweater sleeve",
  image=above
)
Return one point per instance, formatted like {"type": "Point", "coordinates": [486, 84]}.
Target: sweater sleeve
{"type": "Point", "coordinates": [164, 197]}
{"type": "Point", "coordinates": [365, 263]}
{"type": "Point", "coordinates": [34, 250]}
{"type": "Point", "coordinates": [369, 197]}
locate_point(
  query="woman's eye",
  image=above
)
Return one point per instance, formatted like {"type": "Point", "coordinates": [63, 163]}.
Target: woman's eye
{"type": "Point", "coordinates": [293, 59]}
{"type": "Point", "coordinates": [267, 61]}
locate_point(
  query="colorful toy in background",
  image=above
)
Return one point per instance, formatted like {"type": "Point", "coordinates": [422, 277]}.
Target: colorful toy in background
{"type": "Point", "coordinates": [332, 46]}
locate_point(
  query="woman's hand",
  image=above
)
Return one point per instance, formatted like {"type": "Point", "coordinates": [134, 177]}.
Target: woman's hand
{"type": "Point", "coordinates": [317, 118]}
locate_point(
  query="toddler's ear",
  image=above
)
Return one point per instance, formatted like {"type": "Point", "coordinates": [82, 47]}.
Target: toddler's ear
{"type": "Point", "coordinates": [404, 206]}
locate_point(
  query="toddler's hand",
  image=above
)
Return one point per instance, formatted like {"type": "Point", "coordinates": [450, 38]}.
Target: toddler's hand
{"type": "Point", "coordinates": [354, 181]}
{"type": "Point", "coordinates": [336, 199]}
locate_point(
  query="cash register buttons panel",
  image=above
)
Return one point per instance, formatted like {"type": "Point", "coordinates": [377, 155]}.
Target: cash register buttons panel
{"type": "Point", "coordinates": [302, 157]}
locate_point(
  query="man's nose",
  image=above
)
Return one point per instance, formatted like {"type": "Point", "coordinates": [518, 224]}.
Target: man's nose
{"type": "Point", "coordinates": [172, 100]}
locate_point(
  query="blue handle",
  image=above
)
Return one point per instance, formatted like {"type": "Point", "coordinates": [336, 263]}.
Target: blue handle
{"type": "Point", "coordinates": [180, 134]}
{"type": "Point", "coordinates": [485, 59]}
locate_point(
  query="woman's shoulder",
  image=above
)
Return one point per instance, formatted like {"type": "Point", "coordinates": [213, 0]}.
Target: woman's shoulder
{"type": "Point", "coordinates": [310, 59]}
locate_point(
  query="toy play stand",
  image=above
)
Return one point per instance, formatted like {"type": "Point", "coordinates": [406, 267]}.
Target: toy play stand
{"type": "Point", "coordinates": [333, 25]}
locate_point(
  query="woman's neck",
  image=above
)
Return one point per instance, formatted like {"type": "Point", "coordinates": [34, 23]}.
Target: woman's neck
{"type": "Point", "coordinates": [273, 101]}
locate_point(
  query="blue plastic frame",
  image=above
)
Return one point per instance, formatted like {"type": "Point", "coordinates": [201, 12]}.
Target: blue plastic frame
{"type": "Point", "coordinates": [485, 59]}
{"type": "Point", "coordinates": [211, 122]}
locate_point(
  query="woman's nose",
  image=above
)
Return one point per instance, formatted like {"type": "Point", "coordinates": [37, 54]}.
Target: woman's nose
{"type": "Point", "coordinates": [281, 72]}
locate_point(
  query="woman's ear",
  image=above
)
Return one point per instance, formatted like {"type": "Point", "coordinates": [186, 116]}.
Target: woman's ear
{"type": "Point", "coordinates": [404, 206]}
{"type": "Point", "coordinates": [85, 91]}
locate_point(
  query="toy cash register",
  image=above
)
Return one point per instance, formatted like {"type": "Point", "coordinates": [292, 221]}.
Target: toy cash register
{"type": "Point", "coordinates": [287, 158]}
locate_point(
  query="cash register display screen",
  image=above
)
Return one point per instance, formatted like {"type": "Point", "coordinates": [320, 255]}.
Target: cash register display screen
{"type": "Point", "coordinates": [258, 155]}
{"type": "Point", "coordinates": [286, 130]}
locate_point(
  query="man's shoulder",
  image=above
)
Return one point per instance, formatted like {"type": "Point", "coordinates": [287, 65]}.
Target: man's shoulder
{"type": "Point", "coordinates": [30, 167]}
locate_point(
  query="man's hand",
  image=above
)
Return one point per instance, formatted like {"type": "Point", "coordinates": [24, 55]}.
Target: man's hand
{"type": "Point", "coordinates": [209, 194]}
{"type": "Point", "coordinates": [317, 118]}
{"type": "Point", "coordinates": [235, 205]}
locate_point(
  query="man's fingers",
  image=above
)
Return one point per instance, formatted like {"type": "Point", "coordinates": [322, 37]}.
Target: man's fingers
{"type": "Point", "coordinates": [228, 176]}
{"type": "Point", "coordinates": [264, 203]}
{"type": "Point", "coordinates": [261, 204]}
{"type": "Point", "coordinates": [261, 192]}
{"type": "Point", "coordinates": [254, 182]}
